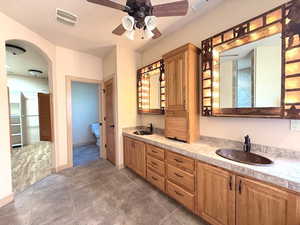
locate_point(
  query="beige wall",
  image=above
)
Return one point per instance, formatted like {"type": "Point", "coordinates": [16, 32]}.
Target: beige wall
{"type": "Point", "coordinates": [272, 132]}
{"type": "Point", "coordinates": [127, 63]}
{"type": "Point", "coordinates": [121, 64]}
{"type": "Point", "coordinates": [62, 62]}
{"type": "Point", "coordinates": [71, 63]}
{"type": "Point", "coordinates": [110, 64]}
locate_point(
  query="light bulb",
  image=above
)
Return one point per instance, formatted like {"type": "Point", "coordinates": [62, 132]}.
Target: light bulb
{"type": "Point", "coordinates": [128, 23]}
{"type": "Point", "coordinates": [130, 34]}
{"type": "Point", "coordinates": [150, 22]}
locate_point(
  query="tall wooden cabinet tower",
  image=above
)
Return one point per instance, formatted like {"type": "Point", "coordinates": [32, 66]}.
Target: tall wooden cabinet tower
{"type": "Point", "coordinates": [182, 93]}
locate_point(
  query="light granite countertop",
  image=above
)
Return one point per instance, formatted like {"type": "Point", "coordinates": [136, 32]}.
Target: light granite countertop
{"type": "Point", "coordinates": [284, 172]}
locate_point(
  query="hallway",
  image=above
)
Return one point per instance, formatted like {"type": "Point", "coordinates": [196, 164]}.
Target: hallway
{"type": "Point", "coordinates": [97, 194]}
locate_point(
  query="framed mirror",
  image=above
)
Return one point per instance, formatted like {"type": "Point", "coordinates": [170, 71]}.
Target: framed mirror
{"type": "Point", "coordinates": [253, 69]}
{"type": "Point", "coordinates": [151, 89]}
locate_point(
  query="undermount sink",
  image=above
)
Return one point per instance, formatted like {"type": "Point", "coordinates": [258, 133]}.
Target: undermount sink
{"type": "Point", "coordinates": [243, 157]}
{"type": "Point", "coordinates": [142, 132]}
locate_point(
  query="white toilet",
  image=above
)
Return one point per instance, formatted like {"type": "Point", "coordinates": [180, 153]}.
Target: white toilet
{"type": "Point", "coordinates": [96, 131]}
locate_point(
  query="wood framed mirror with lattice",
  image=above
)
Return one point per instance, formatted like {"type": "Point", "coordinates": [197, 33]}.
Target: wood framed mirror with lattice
{"type": "Point", "coordinates": [219, 51]}
{"type": "Point", "coordinates": [151, 89]}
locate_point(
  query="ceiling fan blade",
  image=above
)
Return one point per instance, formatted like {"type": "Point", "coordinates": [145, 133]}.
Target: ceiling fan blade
{"type": "Point", "coordinates": [108, 3]}
{"type": "Point", "coordinates": [157, 33]}
{"type": "Point", "coordinates": [119, 30]}
{"type": "Point", "coordinates": [179, 8]}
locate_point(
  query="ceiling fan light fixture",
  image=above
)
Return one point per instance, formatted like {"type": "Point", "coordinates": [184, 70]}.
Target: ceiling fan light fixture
{"type": "Point", "coordinates": [150, 22]}
{"type": "Point", "coordinates": [35, 73]}
{"type": "Point", "coordinates": [128, 23]}
{"type": "Point", "coordinates": [130, 34]}
{"type": "Point", "coordinates": [14, 49]}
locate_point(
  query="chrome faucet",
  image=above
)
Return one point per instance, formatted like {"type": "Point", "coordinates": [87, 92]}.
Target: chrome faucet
{"type": "Point", "coordinates": [247, 144]}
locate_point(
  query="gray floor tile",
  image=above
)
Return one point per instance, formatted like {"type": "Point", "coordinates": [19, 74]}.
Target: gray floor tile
{"type": "Point", "coordinates": [95, 194]}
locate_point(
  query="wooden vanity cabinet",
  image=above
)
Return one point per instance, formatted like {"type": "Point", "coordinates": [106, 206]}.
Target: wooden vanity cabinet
{"type": "Point", "coordinates": [181, 72]}
{"type": "Point", "coordinates": [216, 195]}
{"type": "Point", "coordinates": [227, 199]}
{"type": "Point", "coordinates": [261, 204]}
{"type": "Point", "coordinates": [135, 156]}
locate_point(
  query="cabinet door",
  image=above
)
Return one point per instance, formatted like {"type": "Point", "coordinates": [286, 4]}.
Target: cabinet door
{"type": "Point", "coordinates": [176, 81]}
{"type": "Point", "coordinates": [128, 152]}
{"type": "Point", "coordinates": [181, 77]}
{"type": "Point", "coordinates": [140, 158]}
{"type": "Point", "coordinates": [216, 195]}
{"type": "Point", "coordinates": [262, 204]}
{"type": "Point", "coordinates": [170, 73]}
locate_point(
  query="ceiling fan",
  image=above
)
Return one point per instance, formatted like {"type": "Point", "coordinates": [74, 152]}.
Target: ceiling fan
{"type": "Point", "coordinates": [142, 15]}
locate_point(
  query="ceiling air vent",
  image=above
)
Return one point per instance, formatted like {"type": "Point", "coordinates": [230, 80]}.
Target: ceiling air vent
{"type": "Point", "coordinates": [66, 17]}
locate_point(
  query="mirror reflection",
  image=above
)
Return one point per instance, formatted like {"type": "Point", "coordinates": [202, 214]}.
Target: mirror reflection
{"type": "Point", "coordinates": [154, 89]}
{"type": "Point", "coordinates": [250, 75]}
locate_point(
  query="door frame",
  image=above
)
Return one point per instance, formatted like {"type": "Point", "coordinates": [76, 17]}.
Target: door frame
{"type": "Point", "coordinates": [69, 80]}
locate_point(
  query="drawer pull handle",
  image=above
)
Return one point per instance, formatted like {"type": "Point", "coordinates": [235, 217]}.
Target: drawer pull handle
{"type": "Point", "coordinates": [178, 160]}
{"type": "Point", "coordinates": [240, 187]}
{"type": "Point", "coordinates": [153, 163]}
{"type": "Point", "coordinates": [230, 183]}
{"type": "Point", "coordinates": [178, 175]}
{"type": "Point", "coordinates": [154, 178]}
{"type": "Point", "coordinates": [155, 152]}
{"type": "Point", "coordinates": [177, 193]}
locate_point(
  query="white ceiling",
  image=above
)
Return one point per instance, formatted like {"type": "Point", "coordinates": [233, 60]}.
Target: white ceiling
{"type": "Point", "coordinates": [31, 59]}
{"type": "Point", "coordinates": [92, 34]}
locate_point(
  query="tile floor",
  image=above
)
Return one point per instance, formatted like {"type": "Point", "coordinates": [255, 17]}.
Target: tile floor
{"type": "Point", "coordinates": [85, 154]}
{"type": "Point", "coordinates": [95, 194]}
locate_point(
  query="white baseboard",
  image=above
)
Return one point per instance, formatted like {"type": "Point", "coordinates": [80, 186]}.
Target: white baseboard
{"type": "Point", "coordinates": [120, 166]}
{"type": "Point", "coordinates": [61, 168]}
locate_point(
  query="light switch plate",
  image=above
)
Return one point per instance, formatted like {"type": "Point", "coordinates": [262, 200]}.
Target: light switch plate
{"type": "Point", "coordinates": [295, 125]}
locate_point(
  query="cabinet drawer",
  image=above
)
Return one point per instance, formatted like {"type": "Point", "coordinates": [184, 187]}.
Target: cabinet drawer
{"type": "Point", "coordinates": [156, 180]}
{"type": "Point", "coordinates": [156, 152]}
{"type": "Point", "coordinates": [176, 127]}
{"type": "Point", "coordinates": [156, 165]}
{"type": "Point", "coordinates": [182, 178]}
{"type": "Point", "coordinates": [181, 162]}
{"type": "Point", "coordinates": [180, 195]}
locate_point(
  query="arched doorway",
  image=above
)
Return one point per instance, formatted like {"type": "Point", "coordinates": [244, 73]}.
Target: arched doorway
{"type": "Point", "coordinates": [31, 127]}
